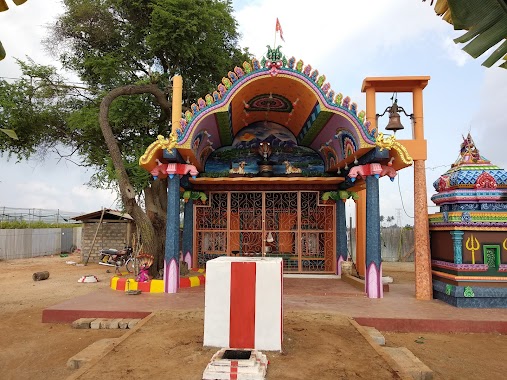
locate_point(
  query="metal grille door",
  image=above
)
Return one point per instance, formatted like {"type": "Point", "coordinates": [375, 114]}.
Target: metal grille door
{"type": "Point", "coordinates": [293, 225]}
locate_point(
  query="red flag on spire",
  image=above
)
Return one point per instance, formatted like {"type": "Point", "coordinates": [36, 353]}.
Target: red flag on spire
{"type": "Point", "coordinates": [279, 29]}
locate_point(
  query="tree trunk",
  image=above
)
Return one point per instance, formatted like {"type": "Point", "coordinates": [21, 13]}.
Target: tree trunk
{"type": "Point", "coordinates": [39, 276]}
{"type": "Point", "coordinates": [150, 230]}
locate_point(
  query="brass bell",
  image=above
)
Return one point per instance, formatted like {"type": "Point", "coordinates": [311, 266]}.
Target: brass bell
{"type": "Point", "coordinates": [394, 119]}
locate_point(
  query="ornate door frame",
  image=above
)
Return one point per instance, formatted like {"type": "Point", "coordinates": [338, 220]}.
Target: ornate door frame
{"type": "Point", "coordinates": [294, 225]}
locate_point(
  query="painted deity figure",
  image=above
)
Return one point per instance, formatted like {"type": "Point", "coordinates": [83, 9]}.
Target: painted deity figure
{"type": "Point", "coordinates": [469, 152]}
{"type": "Point", "coordinates": [145, 261]}
{"type": "Point", "coordinates": [265, 150]}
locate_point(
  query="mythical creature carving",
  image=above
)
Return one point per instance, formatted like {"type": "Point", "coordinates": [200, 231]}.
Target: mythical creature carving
{"type": "Point", "coordinates": [389, 143]}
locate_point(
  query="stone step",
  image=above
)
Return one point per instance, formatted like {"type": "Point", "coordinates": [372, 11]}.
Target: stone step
{"type": "Point", "coordinates": [409, 363]}
{"type": "Point", "coordinates": [105, 323]}
{"type": "Point", "coordinates": [93, 351]}
{"type": "Point", "coordinates": [375, 335]}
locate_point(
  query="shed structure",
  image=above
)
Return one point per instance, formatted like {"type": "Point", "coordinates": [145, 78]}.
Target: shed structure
{"type": "Point", "coordinates": [105, 229]}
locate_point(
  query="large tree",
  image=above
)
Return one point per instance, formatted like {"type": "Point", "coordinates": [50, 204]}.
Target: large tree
{"type": "Point", "coordinates": [124, 53]}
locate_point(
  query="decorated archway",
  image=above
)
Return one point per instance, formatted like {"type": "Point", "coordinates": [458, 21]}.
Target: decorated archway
{"type": "Point", "coordinates": [267, 149]}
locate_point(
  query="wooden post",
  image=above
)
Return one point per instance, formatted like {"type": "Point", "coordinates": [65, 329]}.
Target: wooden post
{"type": "Point", "coordinates": [95, 237]}
{"type": "Point", "coordinates": [39, 276]}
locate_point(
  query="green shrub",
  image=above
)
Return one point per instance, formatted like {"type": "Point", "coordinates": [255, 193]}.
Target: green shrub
{"type": "Point", "coordinates": [21, 224]}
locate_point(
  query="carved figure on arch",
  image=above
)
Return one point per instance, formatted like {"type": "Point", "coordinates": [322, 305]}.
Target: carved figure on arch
{"type": "Point", "coordinates": [238, 170]}
{"type": "Point", "coordinates": [289, 169]}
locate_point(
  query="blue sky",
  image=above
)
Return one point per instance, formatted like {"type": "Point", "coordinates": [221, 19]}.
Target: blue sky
{"type": "Point", "coordinates": [347, 41]}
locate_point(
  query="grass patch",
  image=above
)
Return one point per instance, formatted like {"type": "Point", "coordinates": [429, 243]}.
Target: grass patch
{"type": "Point", "coordinates": [21, 224]}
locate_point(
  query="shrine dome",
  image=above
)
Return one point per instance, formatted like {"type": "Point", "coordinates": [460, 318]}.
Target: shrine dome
{"type": "Point", "coordinates": [472, 183]}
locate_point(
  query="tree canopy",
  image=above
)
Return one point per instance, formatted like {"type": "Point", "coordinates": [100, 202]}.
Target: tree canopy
{"type": "Point", "coordinates": [119, 48]}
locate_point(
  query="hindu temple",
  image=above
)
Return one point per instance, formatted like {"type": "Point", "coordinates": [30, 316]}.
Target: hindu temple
{"type": "Point", "coordinates": [259, 159]}
{"type": "Point", "coordinates": [469, 234]}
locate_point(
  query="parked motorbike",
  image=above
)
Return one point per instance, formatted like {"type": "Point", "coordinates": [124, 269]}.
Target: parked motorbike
{"type": "Point", "coordinates": [117, 258]}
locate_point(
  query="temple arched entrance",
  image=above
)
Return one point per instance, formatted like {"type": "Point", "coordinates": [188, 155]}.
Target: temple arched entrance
{"type": "Point", "coordinates": [266, 163]}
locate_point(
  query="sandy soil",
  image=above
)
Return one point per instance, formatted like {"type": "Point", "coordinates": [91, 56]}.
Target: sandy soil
{"type": "Point", "coordinates": [169, 346]}
{"type": "Point", "coordinates": [316, 345]}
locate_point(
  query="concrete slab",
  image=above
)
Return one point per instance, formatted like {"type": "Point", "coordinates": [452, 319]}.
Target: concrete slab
{"type": "Point", "coordinates": [82, 323]}
{"type": "Point", "coordinates": [132, 323]}
{"type": "Point", "coordinates": [93, 351]}
{"type": "Point", "coordinates": [95, 325]}
{"type": "Point", "coordinates": [375, 335]}
{"type": "Point", "coordinates": [409, 363]}
{"type": "Point", "coordinates": [113, 323]}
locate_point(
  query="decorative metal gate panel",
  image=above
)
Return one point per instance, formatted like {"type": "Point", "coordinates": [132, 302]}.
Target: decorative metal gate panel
{"type": "Point", "coordinates": [211, 229]}
{"type": "Point", "coordinates": [245, 223]}
{"type": "Point", "coordinates": [293, 225]}
{"type": "Point", "coordinates": [317, 234]}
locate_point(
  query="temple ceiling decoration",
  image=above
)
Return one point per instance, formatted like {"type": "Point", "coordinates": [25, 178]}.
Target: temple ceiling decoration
{"type": "Point", "coordinates": [281, 91]}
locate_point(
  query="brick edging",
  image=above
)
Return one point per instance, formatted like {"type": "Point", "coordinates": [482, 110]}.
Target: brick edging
{"type": "Point", "coordinates": [81, 371]}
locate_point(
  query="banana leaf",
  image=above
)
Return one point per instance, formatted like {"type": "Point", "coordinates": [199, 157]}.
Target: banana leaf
{"type": "Point", "coordinates": [2, 51]}
{"type": "Point", "coordinates": [486, 23]}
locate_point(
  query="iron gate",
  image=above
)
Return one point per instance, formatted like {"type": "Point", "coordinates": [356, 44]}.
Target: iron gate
{"type": "Point", "coordinates": [293, 225]}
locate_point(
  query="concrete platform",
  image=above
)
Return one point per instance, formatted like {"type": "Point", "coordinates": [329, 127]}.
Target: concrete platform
{"type": "Point", "coordinates": [397, 311]}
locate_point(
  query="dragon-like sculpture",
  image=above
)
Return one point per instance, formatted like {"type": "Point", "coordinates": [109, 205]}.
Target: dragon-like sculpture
{"type": "Point", "coordinates": [389, 142]}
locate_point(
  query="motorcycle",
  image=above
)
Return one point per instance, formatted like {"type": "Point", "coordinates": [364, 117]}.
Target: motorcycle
{"type": "Point", "coordinates": [117, 258]}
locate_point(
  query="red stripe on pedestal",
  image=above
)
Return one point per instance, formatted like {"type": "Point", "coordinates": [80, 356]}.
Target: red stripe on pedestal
{"type": "Point", "coordinates": [242, 319]}
{"type": "Point", "coordinates": [143, 286]}
{"type": "Point", "coordinates": [184, 282]}
{"type": "Point", "coordinates": [234, 370]}
{"type": "Point", "coordinates": [120, 285]}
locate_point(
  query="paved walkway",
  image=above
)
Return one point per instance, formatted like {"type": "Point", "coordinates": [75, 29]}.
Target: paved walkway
{"type": "Point", "coordinates": [397, 311]}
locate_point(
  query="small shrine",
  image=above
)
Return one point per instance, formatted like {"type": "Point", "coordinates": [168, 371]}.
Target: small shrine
{"type": "Point", "coordinates": [469, 234]}
{"type": "Point", "coordinates": [257, 159]}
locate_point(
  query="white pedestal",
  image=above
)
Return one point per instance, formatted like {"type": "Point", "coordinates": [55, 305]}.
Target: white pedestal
{"type": "Point", "coordinates": [243, 303]}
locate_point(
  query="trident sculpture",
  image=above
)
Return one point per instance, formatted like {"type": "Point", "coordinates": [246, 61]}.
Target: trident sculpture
{"type": "Point", "coordinates": [473, 245]}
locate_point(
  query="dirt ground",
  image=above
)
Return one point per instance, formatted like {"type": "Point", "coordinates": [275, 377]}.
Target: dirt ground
{"type": "Point", "coordinates": [316, 345]}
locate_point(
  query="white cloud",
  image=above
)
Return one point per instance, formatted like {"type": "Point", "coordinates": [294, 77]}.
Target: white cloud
{"type": "Point", "coordinates": [344, 31]}
{"type": "Point", "coordinates": [87, 194]}
{"type": "Point", "coordinates": [489, 123]}
{"type": "Point", "coordinates": [22, 30]}
{"type": "Point", "coordinates": [454, 52]}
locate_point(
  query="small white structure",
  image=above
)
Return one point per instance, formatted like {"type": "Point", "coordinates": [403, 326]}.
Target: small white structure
{"type": "Point", "coordinates": [239, 365]}
{"type": "Point", "coordinates": [88, 278]}
{"type": "Point", "coordinates": [243, 303]}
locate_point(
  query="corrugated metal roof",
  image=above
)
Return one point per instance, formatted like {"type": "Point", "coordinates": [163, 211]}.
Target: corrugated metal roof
{"type": "Point", "coordinates": [108, 215]}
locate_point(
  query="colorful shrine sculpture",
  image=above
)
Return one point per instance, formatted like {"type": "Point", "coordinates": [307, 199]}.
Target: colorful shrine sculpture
{"type": "Point", "coordinates": [264, 148]}
{"type": "Point", "coordinates": [145, 261]}
{"type": "Point", "coordinates": [469, 234]}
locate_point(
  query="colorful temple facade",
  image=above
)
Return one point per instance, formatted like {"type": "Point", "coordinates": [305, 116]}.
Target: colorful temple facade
{"type": "Point", "coordinates": [257, 159]}
{"type": "Point", "coordinates": [469, 234]}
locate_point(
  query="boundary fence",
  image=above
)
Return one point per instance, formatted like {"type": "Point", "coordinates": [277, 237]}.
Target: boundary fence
{"type": "Point", "coordinates": [12, 214]}
{"type": "Point", "coordinates": [396, 243]}
{"type": "Point", "coordinates": [28, 243]}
